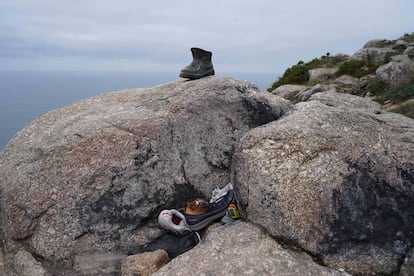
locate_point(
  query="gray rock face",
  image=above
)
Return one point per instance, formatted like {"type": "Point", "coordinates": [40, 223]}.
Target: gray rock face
{"type": "Point", "coordinates": [377, 43]}
{"type": "Point", "coordinates": [242, 249]}
{"type": "Point", "coordinates": [322, 74]}
{"type": "Point", "coordinates": [26, 265]}
{"type": "Point", "coordinates": [93, 176]}
{"type": "Point", "coordinates": [97, 264]}
{"type": "Point", "coordinates": [374, 56]}
{"type": "Point", "coordinates": [335, 180]}
{"type": "Point", "coordinates": [409, 51]}
{"type": "Point", "coordinates": [347, 102]}
{"type": "Point", "coordinates": [398, 71]}
{"type": "Point", "coordinates": [289, 91]}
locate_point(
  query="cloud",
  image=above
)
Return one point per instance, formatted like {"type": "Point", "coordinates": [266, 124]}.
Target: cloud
{"type": "Point", "coordinates": [243, 35]}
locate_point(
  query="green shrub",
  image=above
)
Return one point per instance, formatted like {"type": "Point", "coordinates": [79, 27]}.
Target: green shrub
{"type": "Point", "coordinates": [352, 67]}
{"type": "Point", "coordinates": [298, 74]}
{"type": "Point", "coordinates": [398, 94]}
{"type": "Point", "coordinates": [377, 87]}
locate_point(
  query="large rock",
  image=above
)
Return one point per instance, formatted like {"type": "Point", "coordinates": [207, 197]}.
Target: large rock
{"type": "Point", "coordinates": [289, 91]}
{"type": "Point", "coordinates": [345, 83]}
{"type": "Point", "coordinates": [399, 70]}
{"type": "Point", "coordinates": [374, 56]}
{"type": "Point", "coordinates": [335, 179]}
{"type": "Point", "coordinates": [378, 43]}
{"type": "Point", "coordinates": [409, 52]}
{"type": "Point", "coordinates": [321, 74]}
{"type": "Point", "coordinates": [92, 177]}
{"type": "Point", "coordinates": [242, 249]}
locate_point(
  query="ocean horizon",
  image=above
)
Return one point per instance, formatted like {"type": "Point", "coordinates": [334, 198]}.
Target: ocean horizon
{"type": "Point", "coordinates": [27, 95]}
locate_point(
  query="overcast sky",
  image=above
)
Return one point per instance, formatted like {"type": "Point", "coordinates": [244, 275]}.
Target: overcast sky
{"type": "Point", "coordinates": [261, 36]}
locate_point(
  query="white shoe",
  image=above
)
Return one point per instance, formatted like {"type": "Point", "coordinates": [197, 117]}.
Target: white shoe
{"type": "Point", "coordinates": [173, 220]}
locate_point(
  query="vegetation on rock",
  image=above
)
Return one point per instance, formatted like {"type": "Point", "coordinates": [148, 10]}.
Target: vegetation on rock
{"type": "Point", "coordinates": [380, 91]}
{"type": "Point", "coordinates": [298, 74]}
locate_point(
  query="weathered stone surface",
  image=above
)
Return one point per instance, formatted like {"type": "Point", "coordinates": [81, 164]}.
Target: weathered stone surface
{"type": "Point", "coordinates": [242, 249]}
{"type": "Point", "coordinates": [409, 52]}
{"type": "Point", "coordinates": [400, 70]}
{"type": "Point", "coordinates": [144, 264]}
{"type": "Point", "coordinates": [92, 177]}
{"type": "Point", "coordinates": [374, 56]}
{"type": "Point", "coordinates": [400, 46]}
{"type": "Point", "coordinates": [289, 91]}
{"type": "Point", "coordinates": [98, 264]}
{"type": "Point", "coordinates": [2, 272]}
{"type": "Point", "coordinates": [351, 85]}
{"type": "Point", "coordinates": [407, 268]}
{"type": "Point", "coordinates": [347, 102]}
{"type": "Point", "coordinates": [377, 43]}
{"type": "Point", "coordinates": [306, 94]}
{"type": "Point", "coordinates": [321, 74]}
{"type": "Point", "coordinates": [345, 80]}
{"type": "Point", "coordinates": [337, 181]}
{"type": "Point", "coordinates": [26, 265]}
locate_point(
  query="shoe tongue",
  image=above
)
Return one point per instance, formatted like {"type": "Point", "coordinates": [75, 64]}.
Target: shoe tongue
{"type": "Point", "coordinates": [176, 219]}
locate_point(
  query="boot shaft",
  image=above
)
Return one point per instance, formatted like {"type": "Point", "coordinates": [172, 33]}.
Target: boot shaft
{"type": "Point", "coordinates": [201, 54]}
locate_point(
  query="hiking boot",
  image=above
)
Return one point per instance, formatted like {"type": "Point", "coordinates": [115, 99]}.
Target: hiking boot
{"type": "Point", "coordinates": [215, 211]}
{"type": "Point", "coordinates": [200, 67]}
{"type": "Point", "coordinates": [173, 244]}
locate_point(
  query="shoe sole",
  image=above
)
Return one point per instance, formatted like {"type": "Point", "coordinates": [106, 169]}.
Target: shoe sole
{"type": "Point", "coordinates": [206, 222]}
{"type": "Point", "coordinates": [193, 77]}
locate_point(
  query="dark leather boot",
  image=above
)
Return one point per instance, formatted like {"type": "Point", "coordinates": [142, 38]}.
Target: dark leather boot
{"type": "Point", "coordinates": [200, 67]}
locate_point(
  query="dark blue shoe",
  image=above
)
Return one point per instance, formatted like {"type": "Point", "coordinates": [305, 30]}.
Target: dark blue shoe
{"type": "Point", "coordinates": [174, 244]}
{"type": "Point", "coordinates": [215, 211]}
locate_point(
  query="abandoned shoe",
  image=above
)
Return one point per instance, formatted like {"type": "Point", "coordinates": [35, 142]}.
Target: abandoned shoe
{"type": "Point", "coordinates": [232, 213]}
{"type": "Point", "coordinates": [173, 220]}
{"type": "Point", "coordinates": [200, 67]}
{"type": "Point", "coordinates": [196, 207]}
{"type": "Point", "coordinates": [174, 244]}
{"type": "Point", "coordinates": [215, 211]}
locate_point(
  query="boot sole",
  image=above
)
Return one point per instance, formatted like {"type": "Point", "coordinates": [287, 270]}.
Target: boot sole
{"type": "Point", "coordinates": [195, 76]}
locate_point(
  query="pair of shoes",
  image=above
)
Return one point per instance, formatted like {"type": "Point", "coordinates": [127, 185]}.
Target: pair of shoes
{"type": "Point", "coordinates": [176, 241]}
{"type": "Point", "coordinates": [173, 244]}
{"type": "Point", "coordinates": [200, 67]}
{"type": "Point", "coordinates": [215, 210]}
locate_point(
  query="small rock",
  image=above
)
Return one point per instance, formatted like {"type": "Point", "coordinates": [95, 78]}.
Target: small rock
{"type": "Point", "coordinates": [26, 265]}
{"type": "Point", "coordinates": [144, 263]}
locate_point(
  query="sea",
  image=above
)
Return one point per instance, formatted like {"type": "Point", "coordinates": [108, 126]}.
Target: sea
{"type": "Point", "coordinates": [26, 95]}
